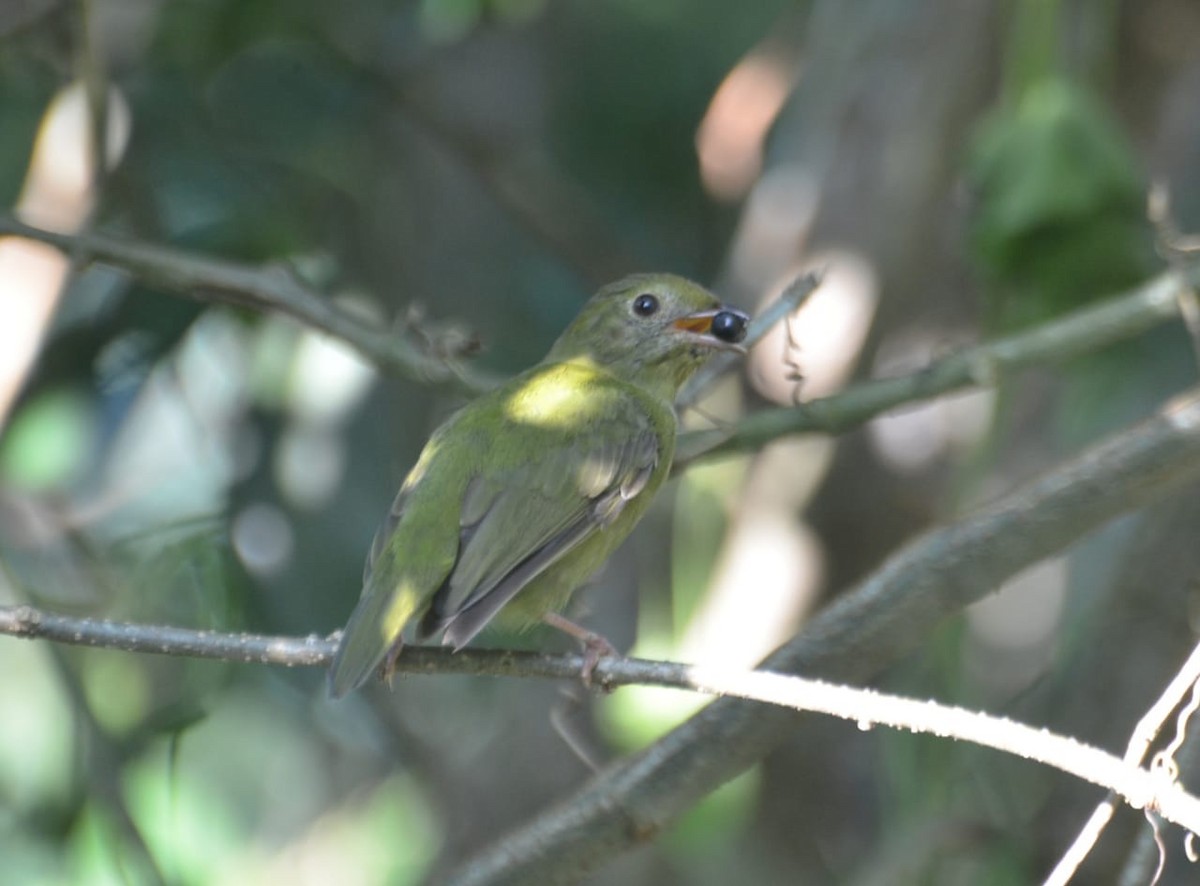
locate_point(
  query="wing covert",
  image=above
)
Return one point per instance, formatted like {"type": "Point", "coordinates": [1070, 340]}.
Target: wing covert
{"type": "Point", "coordinates": [558, 501]}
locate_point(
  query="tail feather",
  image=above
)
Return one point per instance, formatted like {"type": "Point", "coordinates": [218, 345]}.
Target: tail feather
{"type": "Point", "coordinates": [375, 627]}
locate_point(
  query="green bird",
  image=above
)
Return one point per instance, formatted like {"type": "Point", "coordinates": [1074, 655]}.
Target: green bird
{"type": "Point", "coordinates": [522, 494]}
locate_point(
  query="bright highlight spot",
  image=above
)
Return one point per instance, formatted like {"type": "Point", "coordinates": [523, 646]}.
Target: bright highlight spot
{"type": "Point", "coordinates": [328, 379]}
{"type": "Point", "coordinates": [309, 464]}
{"type": "Point", "coordinates": [914, 438]}
{"type": "Point", "coordinates": [729, 142]}
{"type": "Point", "coordinates": [823, 340]}
{"type": "Point", "coordinates": [557, 398]}
{"type": "Point", "coordinates": [48, 443]}
{"type": "Point", "coordinates": [1014, 631]}
{"type": "Point", "coordinates": [263, 538]}
{"type": "Point", "coordinates": [768, 573]}
{"type": "Point", "coordinates": [57, 195]}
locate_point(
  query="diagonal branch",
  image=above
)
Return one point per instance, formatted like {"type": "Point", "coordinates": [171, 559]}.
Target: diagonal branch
{"type": "Point", "coordinates": [273, 288]}
{"type": "Point", "coordinates": [880, 620]}
{"type": "Point", "coordinates": [270, 288]}
{"type": "Point", "coordinates": [853, 638]}
{"type": "Point", "coordinates": [1079, 332]}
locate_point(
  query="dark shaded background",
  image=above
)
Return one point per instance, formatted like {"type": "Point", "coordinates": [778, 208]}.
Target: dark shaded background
{"type": "Point", "coordinates": [962, 168]}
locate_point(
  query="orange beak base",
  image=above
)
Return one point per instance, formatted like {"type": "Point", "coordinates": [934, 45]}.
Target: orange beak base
{"type": "Point", "coordinates": [700, 324]}
{"type": "Point", "coordinates": [723, 327]}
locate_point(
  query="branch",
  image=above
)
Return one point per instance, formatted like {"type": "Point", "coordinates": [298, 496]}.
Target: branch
{"type": "Point", "coordinates": [269, 288]}
{"type": "Point", "coordinates": [849, 641]}
{"type": "Point", "coordinates": [1143, 737]}
{"type": "Point", "coordinates": [793, 297]}
{"type": "Point", "coordinates": [1079, 332]}
{"type": "Point", "coordinates": [274, 288]}
{"type": "Point", "coordinates": [1142, 788]}
{"type": "Point", "coordinates": [882, 619]}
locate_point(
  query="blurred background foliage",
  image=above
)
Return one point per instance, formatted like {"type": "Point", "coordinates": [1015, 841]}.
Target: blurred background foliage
{"type": "Point", "coordinates": [476, 167]}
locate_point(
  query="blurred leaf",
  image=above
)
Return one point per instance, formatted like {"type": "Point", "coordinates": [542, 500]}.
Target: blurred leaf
{"type": "Point", "coordinates": [49, 441]}
{"type": "Point", "coordinates": [118, 691]}
{"type": "Point", "coordinates": [94, 860]}
{"type": "Point", "coordinates": [182, 575]}
{"type": "Point", "coordinates": [638, 715]}
{"type": "Point", "coordinates": [1060, 202]}
{"type": "Point", "coordinates": [36, 748]}
{"type": "Point", "coordinates": [444, 21]}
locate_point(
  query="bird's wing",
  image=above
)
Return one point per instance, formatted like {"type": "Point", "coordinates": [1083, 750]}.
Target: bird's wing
{"type": "Point", "coordinates": [386, 528]}
{"type": "Point", "coordinates": [397, 585]}
{"type": "Point", "coordinates": [511, 526]}
{"type": "Point", "coordinates": [558, 499]}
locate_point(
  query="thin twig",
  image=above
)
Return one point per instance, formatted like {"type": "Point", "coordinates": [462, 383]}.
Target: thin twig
{"type": "Point", "coordinates": [793, 297]}
{"type": "Point", "coordinates": [1178, 250]}
{"type": "Point", "coordinates": [1142, 788]}
{"type": "Point", "coordinates": [1140, 741]}
{"type": "Point", "coordinates": [1079, 332]}
{"type": "Point", "coordinates": [1145, 853]}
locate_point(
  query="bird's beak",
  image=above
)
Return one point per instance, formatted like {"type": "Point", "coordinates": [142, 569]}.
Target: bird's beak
{"type": "Point", "coordinates": [720, 328]}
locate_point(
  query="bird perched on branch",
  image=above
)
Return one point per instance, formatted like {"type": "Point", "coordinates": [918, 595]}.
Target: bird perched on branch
{"type": "Point", "coordinates": [521, 495]}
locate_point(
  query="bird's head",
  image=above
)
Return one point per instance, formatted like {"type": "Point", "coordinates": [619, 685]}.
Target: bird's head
{"type": "Point", "coordinates": [651, 329]}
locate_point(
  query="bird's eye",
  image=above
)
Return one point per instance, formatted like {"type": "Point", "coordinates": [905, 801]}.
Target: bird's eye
{"type": "Point", "coordinates": [645, 305]}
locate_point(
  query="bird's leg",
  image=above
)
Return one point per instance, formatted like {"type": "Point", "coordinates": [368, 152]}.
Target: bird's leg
{"type": "Point", "coordinates": [387, 670]}
{"type": "Point", "coordinates": [595, 647]}
{"type": "Point", "coordinates": [565, 719]}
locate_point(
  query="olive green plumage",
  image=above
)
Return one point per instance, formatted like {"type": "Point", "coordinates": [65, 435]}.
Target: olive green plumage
{"type": "Point", "coordinates": [521, 495]}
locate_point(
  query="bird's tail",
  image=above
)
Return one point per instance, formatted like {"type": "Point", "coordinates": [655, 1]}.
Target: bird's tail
{"type": "Point", "coordinates": [375, 627]}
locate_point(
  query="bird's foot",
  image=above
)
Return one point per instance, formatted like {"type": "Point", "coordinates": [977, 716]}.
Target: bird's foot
{"type": "Point", "coordinates": [387, 670]}
{"type": "Point", "coordinates": [595, 647]}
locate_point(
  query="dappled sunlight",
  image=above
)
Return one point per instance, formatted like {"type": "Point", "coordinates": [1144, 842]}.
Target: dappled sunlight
{"type": "Point", "coordinates": [210, 809]}
{"type": "Point", "coordinates": [35, 747]}
{"type": "Point", "coordinates": [399, 611]}
{"type": "Point", "coordinates": [823, 340]}
{"type": "Point", "coordinates": [768, 570]}
{"type": "Point", "coordinates": [48, 445]}
{"type": "Point", "coordinates": [383, 835]}
{"type": "Point", "coordinates": [729, 142]}
{"type": "Point", "coordinates": [328, 378]}
{"type": "Point", "coordinates": [774, 226]}
{"type": "Point", "coordinates": [310, 460]}
{"type": "Point", "coordinates": [325, 382]}
{"type": "Point", "coordinates": [557, 398]}
{"type": "Point", "coordinates": [57, 194]}
{"type": "Point", "coordinates": [174, 452]}
{"type": "Point", "coordinates": [923, 434]}
{"type": "Point", "coordinates": [262, 538]}
{"type": "Point", "coordinates": [1014, 632]}
{"type": "Point", "coordinates": [31, 276]}
{"type": "Point", "coordinates": [770, 567]}
{"type": "Point", "coordinates": [765, 581]}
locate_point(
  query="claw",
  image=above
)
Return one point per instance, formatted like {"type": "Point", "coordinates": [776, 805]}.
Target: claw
{"type": "Point", "coordinates": [387, 670]}
{"type": "Point", "coordinates": [595, 647]}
